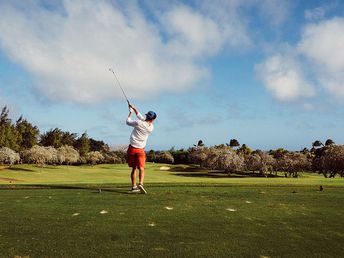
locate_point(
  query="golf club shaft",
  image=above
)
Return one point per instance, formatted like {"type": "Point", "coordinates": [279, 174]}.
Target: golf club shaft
{"type": "Point", "coordinates": [119, 84]}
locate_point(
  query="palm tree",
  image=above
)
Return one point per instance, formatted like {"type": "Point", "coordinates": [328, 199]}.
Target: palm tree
{"type": "Point", "coordinates": [233, 143]}
{"type": "Point", "coordinates": [329, 142]}
{"type": "Point", "coordinates": [317, 143]}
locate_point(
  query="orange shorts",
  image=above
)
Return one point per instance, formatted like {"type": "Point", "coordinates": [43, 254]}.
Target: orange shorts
{"type": "Point", "coordinates": [136, 157]}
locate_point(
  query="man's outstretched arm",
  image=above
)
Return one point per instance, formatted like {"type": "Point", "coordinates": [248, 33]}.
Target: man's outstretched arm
{"type": "Point", "coordinates": [131, 122]}
{"type": "Point", "coordinates": [138, 114]}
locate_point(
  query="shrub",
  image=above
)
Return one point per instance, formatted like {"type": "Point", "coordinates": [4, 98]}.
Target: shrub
{"type": "Point", "coordinates": [67, 155]}
{"type": "Point", "coordinates": [8, 156]}
{"type": "Point", "coordinates": [259, 161]}
{"type": "Point", "coordinates": [164, 157]}
{"type": "Point", "coordinates": [180, 156]}
{"type": "Point", "coordinates": [40, 155]}
{"type": "Point", "coordinates": [292, 163]}
{"type": "Point", "coordinates": [94, 157]}
{"type": "Point", "coordinates": [330, 161]}
{"type": "Point", "coordinates": [223, 158]}
{"type": "Point", "coordinates": [114, 157]}
{"type": "Point", "coordinates": [198, 155]}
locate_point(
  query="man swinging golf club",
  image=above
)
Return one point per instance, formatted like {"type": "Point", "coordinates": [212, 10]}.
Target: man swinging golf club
{"type": "Point", "coordinates": [136, 150]}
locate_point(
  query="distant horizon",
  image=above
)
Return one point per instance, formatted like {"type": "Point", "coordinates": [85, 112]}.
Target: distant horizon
{"type": "Point", "coordinates": [268, 73]}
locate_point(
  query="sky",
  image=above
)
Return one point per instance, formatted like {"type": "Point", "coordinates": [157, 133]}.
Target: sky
{"type": "Point", "coordinates": [269, 73]}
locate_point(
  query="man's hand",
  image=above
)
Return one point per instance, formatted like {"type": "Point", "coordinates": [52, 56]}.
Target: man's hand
{"type": "Point", "coordinates": [131, 106]}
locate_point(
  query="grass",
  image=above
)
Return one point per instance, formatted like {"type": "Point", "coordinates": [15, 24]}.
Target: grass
{"type": "Point", "coordinates": [185, 214]}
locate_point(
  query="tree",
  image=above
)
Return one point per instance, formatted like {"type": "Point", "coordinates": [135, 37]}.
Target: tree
{"type": "Point", "coordinates": [329, 142]}
{"type": "Point", "coordinates": [82, 144]}
{"type": "Point", "coordinates": [8, 133]}
{"type": "Point", "coordinates": [52, 138]}
{"type": "Point", "coordinates": [199, 144]}
{"type": "Point", "coordinates": [98, 146]}
{"type": "Point", "coordinates": [68, 138]}
{"type": "Point", "coordinates": [27, 134]}
{"type": "Point", "coordinates": [244, 149]}
{"type": "Point", "coordinates": [293, 163]}
{"type": "Point", "coordinates": [234, 143]}
{"type": "Point", "coordinates": [330, 161]}
{"type": "Point", "coordinates": [260, 161]}
{"type": "Point", "coordinates": [278, 153]}
{"type": "Point", "coordinates": [164, 157]}
{"type": "Point", "coordinates": [223, 159]}
{"type": "Point", "coordinates": [317, 143]}
{"type": "Point", "coordinates": [198, 155]}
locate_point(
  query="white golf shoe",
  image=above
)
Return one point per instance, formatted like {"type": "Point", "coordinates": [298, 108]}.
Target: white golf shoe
{"type": "Point", "coordinates": [142, 189]}
{"type": "Point", "coordinates": [135, 189]}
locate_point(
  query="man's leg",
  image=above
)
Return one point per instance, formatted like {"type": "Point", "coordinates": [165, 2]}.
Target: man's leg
{"type": "Point", "coordinates": [141, 178]}
{"type": "Point", "coordinates": [141, 175]}
{"type": "Point", "coordinates": [133, 177]}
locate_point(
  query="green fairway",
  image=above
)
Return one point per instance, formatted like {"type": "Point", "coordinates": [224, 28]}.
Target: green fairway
{"type": "Point", "coordinates": [58, 212]}
{"type": "Point", "coordinates": [120, 174]}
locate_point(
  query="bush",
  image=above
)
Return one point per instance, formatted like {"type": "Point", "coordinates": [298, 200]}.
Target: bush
{"type": "Point", "coordinates": [8, 156]}
{"type": "Point", "coordinates": [164, 157]}
{"type": "Point", "coordinates": [67, 155]}
{"type": "Point", "coordinates": [94, 157]}
{"type": "Point", "coordinates": [259, 161]}
{"type": "Point", "coordinates": [40, 155]}
{"type": "Point", "coordinates": [114, 157]}
{"type": "Point", "coordinates": [180, 156]}
{"type": "Point", "coordinates": [198, 155]}
{"type": "Point", "coordinates": [292, 163]}
{"type": "Point", "coordinates": [330, 161]}
{"type": "Point", "coordinates": [223, 158]}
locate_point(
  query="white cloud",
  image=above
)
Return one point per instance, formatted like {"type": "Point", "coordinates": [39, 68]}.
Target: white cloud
{"type": "Point", "coordinates": [320, 52]}
{"type": "Point", "coordinates": [68, 50]}
{"type": "Point", "coordinates": [322, 43]}
{"type": "Point", "coordinates": [283, 78]}
{"type": "Point", "coordinates": [191, 32]}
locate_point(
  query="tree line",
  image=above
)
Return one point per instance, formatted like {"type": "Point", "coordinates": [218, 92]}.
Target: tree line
{"type": "Point", "coordinates": [21, 141]}
{"type": "Point", "coordinates": [326, 159]}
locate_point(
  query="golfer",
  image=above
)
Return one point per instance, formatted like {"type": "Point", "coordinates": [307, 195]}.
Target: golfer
{"type": "Point", "coordinates": [136, 150]}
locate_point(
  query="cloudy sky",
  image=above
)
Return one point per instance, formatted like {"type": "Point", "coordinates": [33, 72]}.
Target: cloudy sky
{"type": "Point", "coordinates": [269, 73]}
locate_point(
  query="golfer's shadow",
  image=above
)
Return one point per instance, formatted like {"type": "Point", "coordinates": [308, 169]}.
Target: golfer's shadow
{"type": "Point", "coordinates": [98, 190]}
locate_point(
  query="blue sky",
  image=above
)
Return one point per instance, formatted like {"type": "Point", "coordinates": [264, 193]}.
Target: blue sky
{"type": "Point", "coordinates": [268, 73]}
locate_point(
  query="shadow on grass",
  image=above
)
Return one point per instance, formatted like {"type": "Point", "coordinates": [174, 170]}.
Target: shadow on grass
{"type": "Point", "coordinates": [208, 175]}
{"type": "Point", "coordinates": [94, 189]}
{"type": "Point", "coordinates": [195, 172]}
{"type": "Point", "coordinates": [20, 169]}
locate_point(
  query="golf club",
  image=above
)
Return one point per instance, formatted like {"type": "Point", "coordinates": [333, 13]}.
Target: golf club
{"type": "Point", "coordinates": [119, 84]}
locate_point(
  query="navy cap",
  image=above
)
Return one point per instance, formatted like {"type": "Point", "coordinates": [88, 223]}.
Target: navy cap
{"type": "Point", "coordinates": [151, 115]}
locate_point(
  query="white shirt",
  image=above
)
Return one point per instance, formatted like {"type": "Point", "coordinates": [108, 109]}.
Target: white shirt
{"type": "Point", "coordinates": [139, 136]}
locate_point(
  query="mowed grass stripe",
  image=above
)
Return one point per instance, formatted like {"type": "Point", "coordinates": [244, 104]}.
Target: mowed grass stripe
{"type": "Point", "coordinates": [276, 223]}
{"type": "Point", "coordinates": [119, 175]}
